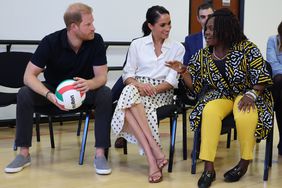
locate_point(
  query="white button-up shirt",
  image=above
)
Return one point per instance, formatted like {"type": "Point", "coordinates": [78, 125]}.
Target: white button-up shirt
{"type": "Point", "coordinates": [143, 62]}
{"type": "Point", "coordinates": [204, 39]}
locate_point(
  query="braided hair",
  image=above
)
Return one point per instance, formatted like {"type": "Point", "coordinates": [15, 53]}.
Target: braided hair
{"type": "Point", "coordinates": [226, 27]}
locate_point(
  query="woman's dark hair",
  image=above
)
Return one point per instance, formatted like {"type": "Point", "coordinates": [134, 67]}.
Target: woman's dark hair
{"type": "Point", "coordinates": [279, 29]}
{"type": "Point", "coordinates": [152, 16]}
{"type": "Point", "coordinates": [227, 27]}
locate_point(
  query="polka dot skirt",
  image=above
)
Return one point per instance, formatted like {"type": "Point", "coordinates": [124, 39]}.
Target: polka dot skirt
{"type": "Point", "coordinates": [131, 96]}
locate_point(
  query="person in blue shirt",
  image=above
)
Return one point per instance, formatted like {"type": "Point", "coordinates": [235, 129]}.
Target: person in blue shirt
{"type": "Point", "coordinates": [196, 41]}
{"type": "Point", "coordinates": [274, 57]}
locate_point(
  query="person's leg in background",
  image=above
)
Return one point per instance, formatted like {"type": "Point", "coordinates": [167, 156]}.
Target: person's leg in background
{"type": "Point", "coordinates": [116, 91]}
{"type": "Point", "coordinates": [246, 123]}
{"type": "Point", "coordinates": [277, 93]}
{"type": "Point", "coordinates": [213, 114]}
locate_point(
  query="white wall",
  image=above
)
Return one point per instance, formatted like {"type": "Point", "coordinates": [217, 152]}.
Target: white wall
{"type": "Point", "coordinates": [261, 20]}
{"type": "Point", "coordinates": [116, 20]}
{"type": "Point", "coordinates": [121, 21]}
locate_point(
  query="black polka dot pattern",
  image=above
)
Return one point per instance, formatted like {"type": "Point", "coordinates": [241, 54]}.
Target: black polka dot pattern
{"type": "Point", "coordinates": [131, 96]}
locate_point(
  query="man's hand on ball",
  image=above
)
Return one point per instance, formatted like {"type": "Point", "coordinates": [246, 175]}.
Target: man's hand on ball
{"type": "Point", "coordinates": [81, 85]}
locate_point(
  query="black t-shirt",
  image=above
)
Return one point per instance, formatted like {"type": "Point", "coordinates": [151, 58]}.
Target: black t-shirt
{"type": "Point", "coordinates": [60, 62]}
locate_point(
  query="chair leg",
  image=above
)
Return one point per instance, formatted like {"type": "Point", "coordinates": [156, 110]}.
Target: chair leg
{"type": "Point", "coordinates": [194, 152]}
{"type": "Point", "coordinates": [125, 147]}
{"type": "Point", "coordinates": [61, 120]}
{"type": "Point", "coordinates": [170, 125]}
{"type": "Point", "coordinates": [15, 148]}
{"type": "Point", "coordinates": [184, 134]}
{"type": "Point", "coordinates": [235, 133]}
{"type": "Point", "coordinates": [172, 141]}
{"type": "Point", "coordinates": [268, 155]}
{"type": "Point", "coordinates": [228, 139]}
{"type": "Point", "coordinates": [37, 128]}
{"type": "Point", "coordinates": [84, 138]}
{"type": "Point", "coordinates": [79, 124]}
{"type": "Point", "coordinates": [51, 132]}
{"type": "Point", "coordinates": [271, 148]}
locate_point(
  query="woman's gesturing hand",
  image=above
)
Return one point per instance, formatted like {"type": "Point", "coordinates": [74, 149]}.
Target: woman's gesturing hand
{"type": "Point", "coordinates": [177, 66]}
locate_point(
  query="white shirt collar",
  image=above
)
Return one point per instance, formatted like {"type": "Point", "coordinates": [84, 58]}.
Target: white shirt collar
{"type": "Point", "coordinates": [166, 45]}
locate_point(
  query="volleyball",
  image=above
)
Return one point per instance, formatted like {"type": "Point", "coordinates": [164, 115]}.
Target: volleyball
{"type": "Point", "coordinates": [67, 96]}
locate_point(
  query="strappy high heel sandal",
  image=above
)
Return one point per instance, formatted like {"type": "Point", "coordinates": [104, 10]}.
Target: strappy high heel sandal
{"type": "Point", "coordinates": [162, 162]}
{"type": "Point", "coordinates": [155, 178]}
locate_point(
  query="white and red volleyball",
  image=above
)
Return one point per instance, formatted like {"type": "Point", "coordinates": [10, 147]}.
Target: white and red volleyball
{"type": "Point", "coordinates": [67, 96]}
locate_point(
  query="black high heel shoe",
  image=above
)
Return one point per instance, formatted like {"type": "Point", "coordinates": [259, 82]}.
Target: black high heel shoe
{"type": "Point", "coordinates": [235, 174]}
{"type": "Point", "coordinates": [206, 179]}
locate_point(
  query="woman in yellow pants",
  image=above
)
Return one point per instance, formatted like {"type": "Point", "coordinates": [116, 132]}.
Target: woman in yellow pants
{"type": "Point", "coordinates": [246, 121]}
{"type": "Point", "coordinates": [229, 75]}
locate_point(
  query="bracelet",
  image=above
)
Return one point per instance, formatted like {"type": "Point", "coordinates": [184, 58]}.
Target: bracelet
{"type": "Point", "coordinates": [252, 95]}
{"type": "Point", "coordinates": [256, 92]}
{"type": "Point", "coordinates": [46, 96]}
{"type": "Point", "coordinates": [155, 90]}
{"type": "Point", "coordinates": [183, 71]}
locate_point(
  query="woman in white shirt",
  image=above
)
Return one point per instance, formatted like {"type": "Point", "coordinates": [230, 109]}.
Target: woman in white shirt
{"type": "Point", "coordinates": [274, 57]}
{"type": "Point", "coordinates": [149, 85]}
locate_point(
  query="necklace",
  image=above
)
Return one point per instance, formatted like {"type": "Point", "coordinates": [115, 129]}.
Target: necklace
{"type": "Point", "coordinates": [218, 58]}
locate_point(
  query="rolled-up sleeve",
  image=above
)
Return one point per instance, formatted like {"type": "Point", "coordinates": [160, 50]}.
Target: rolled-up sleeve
{"type": "Point", "coordinates": [271, 56]}
{"type": "Point", "coordinates": [130, 67]}
{"type": "Point", "coordinates": [172, 76]}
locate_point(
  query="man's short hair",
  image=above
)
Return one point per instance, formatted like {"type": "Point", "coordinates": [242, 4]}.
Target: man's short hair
{"type": "Point", "coordinates": [74, 13]}
{"type": "Point", "coordinates": [205, 6]}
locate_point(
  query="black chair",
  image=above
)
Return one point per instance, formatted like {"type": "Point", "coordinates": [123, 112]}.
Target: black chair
{"type": "Point", "coordinates": [52, 111]}
{"type": "Point", "coordinates": [12, 70]}
{"type": "Point", "coordinates": [184, 103]}
{"type": "Point", "coordinates": [13, 66]}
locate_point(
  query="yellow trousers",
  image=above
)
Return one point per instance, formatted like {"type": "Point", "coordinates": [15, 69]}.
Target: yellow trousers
{"type": "Point", "coordinates": [213, 114]}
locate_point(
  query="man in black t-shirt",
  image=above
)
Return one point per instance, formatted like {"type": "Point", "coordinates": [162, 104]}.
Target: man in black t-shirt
{"type": "Point", "coordinates": [78, 53]}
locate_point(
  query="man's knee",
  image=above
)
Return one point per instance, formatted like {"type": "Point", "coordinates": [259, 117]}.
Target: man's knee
{"type": "Point", "coordinates": [23, 93]}
{"type": "Point", "coordinates": [104, 95]}
{"type": "Point", "coordinates": [105, 92]}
